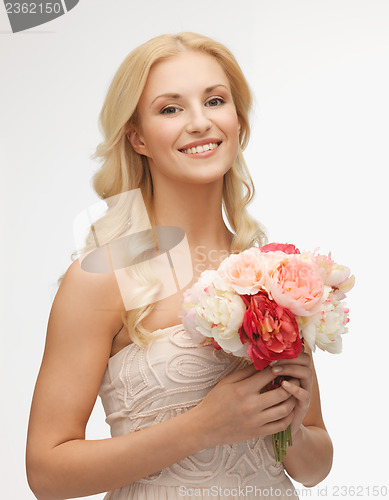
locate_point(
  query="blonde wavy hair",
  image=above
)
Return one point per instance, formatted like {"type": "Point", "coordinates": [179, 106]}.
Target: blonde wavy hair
{"type": "Point", "coordinates": [124, 170]}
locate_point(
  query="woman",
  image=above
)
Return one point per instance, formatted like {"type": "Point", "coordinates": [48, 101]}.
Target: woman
{"type": "Point", "coordinates": [175, 123]}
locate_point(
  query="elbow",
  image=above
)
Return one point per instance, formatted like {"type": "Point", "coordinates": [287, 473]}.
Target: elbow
{"type": "Point", "coordinates": [312, 484]}
{"type": "Point", "coordinates": [327, 461]}
{"type": "Point", "coordinates": [317, 481]}
{"type": "Point", "coordinates": [35, 485]}
{"type": "Point", "coordinates": [40, 491]}
{"type": "Point", "coordinates": [38, 481]}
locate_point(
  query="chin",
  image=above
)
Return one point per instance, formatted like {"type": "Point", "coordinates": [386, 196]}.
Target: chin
{"type": "Point", "coordinates": [208, 177]}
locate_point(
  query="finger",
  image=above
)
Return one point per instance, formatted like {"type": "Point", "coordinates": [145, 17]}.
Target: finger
{"type": "Point", "coordinates": [304, 373]}
{"type": "Point", "coordinates": [278, 425]}
{"type": "Point", "coordinates": [296, 391]}
{"type": "Point", "coordinates": [252, 380]}
{"type": "Point", "coordinates": [274, 397]}
{"type": "Point", "coordinates": [293, 380]}
{"type": "Point", "coordinates": [295, 371]}
{"type": "Point", "coordinates": [260, 380]}
{"type": "Point", "coordinates": [302, 358]}
{"type": "Point", "coordinates": [241, 374]}
{"type": "Point", "coordinates": [279, 411]}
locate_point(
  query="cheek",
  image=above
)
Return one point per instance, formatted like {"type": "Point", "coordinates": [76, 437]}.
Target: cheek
{"type": "Point", "coordinates": [232, 129]}
{"type": "Point", "coordinates": [234, 134]}
{"type": "Point", "coordinates": [231, 124]}
{"type": "Point", "coordinates": [163, 136]}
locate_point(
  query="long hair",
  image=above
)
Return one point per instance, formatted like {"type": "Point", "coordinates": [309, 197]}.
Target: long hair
{"type": "Point", "coordinates": [123, 169]}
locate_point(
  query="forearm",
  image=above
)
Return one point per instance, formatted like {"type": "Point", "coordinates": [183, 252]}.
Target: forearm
{"type": "Point", "coordinates": [85, 467]}
{"type": "Point", "coordinates": [309, 459]}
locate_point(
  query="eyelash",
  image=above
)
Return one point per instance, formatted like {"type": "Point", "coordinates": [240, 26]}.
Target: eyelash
{"type": "Point", "coordinates": [222, 101]}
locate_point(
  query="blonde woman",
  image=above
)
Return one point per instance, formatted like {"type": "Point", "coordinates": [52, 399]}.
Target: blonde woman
{"type": "Point", "coordinates": [187, 421]}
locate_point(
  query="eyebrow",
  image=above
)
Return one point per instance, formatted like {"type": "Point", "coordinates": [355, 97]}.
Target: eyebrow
{"type": "Point", "coordinates": [177, 96]}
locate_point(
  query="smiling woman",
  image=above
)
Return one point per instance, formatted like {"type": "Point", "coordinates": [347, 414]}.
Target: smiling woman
{"type": "Point", "coordinates": [183, 415]}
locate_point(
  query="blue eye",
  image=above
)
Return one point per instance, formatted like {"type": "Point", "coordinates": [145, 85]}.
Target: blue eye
{"type": "Point", "coordinates": [173, 110]}
{"type": "Point", "coordinates": [216, 99]}
{"type": "Point", "coordinates": [166, 111]}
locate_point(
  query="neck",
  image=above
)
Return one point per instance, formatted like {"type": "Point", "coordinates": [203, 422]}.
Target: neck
{"type": "Point", "coordinates": [195, 208]}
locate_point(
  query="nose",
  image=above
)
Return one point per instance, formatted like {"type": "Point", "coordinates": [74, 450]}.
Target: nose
{"type": "Point", "coordinates": [198, 119]}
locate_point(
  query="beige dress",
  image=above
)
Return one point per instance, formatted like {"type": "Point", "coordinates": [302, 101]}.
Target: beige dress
{"type": "Point", "coordinates": [142, 387]}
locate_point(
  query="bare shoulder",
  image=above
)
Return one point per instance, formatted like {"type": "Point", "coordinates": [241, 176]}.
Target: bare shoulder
{"type": "Point", "coordinates": [85, 315]}
{"type": "Point", "coordinates": [98, 291]}
{"type": "Point", "coordinates": [87, 308]}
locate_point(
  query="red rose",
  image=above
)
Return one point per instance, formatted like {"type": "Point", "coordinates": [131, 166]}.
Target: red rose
{"type": "Point", "coordinates": [280, 247]}
{"type": "Point", "coordinates": [271, 330]}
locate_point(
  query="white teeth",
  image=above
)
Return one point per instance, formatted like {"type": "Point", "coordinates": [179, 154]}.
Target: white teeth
{"type": "Point", "coordinates": [200, 149]}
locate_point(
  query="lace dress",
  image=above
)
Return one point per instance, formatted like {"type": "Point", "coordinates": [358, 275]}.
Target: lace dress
{"type": "Point", "coordinates": [142, 387]}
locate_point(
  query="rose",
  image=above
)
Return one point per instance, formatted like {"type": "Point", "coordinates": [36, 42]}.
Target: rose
{"type": "Point", "coordinates": [219, 314]}
{"type": "Point", "coordinates": [271, 330]}
{"type": "Point", "coordinates": [335, 275]}
{"type": "Point", "coordinates": [296, 284]}
{"type": "Point", "coordinates": [210, 313]}
{"type": "Point", "coordinates": [324, 329]}
{"type": "Point", "coordinates": [246, 272]}
{"type": "Point", "coordinates": [287, 248]}
{"type": "Point", "coordinates": [191, 297]}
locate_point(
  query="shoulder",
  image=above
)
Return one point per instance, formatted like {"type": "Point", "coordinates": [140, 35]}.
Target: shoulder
{"type": "Point", "coordinates": [94, 293]}
{"type": "Point", "coordinates": [95, 286]}
{"type": "Point", "coordinates": [85, 315]}
{"type": "Point", "coordinates": [87, 308]}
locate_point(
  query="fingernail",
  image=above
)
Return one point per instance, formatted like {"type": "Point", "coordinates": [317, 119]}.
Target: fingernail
{"type": "Point", "coordinates": [277, 369]}
{"type": "Point", "coordinates": [285, 383]}
{"type": "Point", "coordinates": [273, 362]}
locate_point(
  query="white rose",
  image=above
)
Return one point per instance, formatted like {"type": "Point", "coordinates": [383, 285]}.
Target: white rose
{"type": "Point", "coordinates": [191, 298]}
{"type": "Point", "coordinates": [219, 314]}
{"type": "Point", "coordinates": [325, 328]}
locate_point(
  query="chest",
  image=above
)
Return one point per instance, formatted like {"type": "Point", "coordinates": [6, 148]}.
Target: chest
{"type": "Point", "coordinates": [165, 311]}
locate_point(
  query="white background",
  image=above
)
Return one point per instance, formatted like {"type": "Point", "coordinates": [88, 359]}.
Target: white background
{"type": "Point", "coordinates": [318, 155]}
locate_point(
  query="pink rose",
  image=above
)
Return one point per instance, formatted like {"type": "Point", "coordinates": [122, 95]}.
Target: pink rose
{"type": "Point", "coordinates": [280, 247]}
{"type": "Point", "coordinates": [296, 284]}
{"type": "Point", "coordinates": [271, 330]}
{"type": "Point", "coordinates": [244, 273]}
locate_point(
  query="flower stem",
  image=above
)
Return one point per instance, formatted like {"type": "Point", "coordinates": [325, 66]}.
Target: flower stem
{"type": "Point", "coordinates": [280, 441]}
{"type": "Point", "coordinates": [283, 438]}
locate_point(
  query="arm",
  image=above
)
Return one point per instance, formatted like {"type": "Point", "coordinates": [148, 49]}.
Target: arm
{"type": "Point", "coordinates": [309, 460]}
{"type": "Point", "coordinates": [60, 462]}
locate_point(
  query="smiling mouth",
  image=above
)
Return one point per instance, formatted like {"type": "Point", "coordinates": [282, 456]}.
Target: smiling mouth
{"type": "Point", "coordinates": [201, 149]}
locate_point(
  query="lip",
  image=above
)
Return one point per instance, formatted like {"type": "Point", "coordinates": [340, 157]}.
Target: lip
{"type": "Point", "coordinates": [204, 154]}
{"type": "Point", "coordinates": [201, 143]}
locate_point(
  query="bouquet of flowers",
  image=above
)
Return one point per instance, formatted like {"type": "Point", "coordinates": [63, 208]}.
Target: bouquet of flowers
{"type": "Point", "coordinates": [264, 302]}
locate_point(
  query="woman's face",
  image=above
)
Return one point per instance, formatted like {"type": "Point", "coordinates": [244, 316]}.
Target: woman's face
{"type": "Point", "coordinates": [187, 103]}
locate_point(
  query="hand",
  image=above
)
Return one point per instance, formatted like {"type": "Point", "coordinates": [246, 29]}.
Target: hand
{"type": "Point", "coordinates": [236, 409]}
{"type": "Point", "coordinates": [299, 386]}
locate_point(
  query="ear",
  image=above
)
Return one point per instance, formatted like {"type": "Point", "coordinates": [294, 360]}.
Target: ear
{"type": "Point", "coordinates": [137, 141]}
